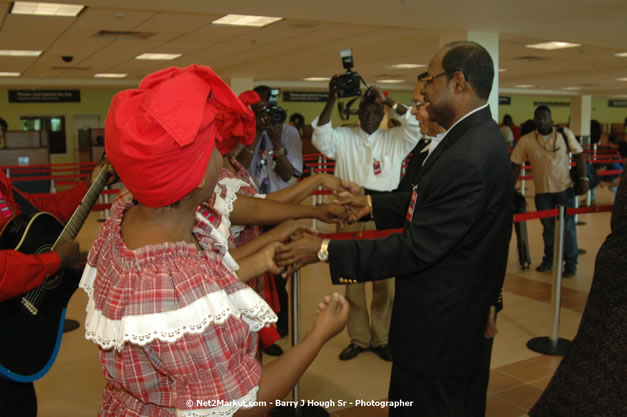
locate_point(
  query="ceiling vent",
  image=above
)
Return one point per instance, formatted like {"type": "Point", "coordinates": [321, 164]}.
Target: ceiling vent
{"type": "Point", "coordinates": [70, 68]}
{"type": "Point", "coordinates": [124, 35]}
{"type": "Point", "coordinates": [530, 58]}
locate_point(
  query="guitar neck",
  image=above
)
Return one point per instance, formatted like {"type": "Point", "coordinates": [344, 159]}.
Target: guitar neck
{"type": "Point", "coordinates": [73, 226]}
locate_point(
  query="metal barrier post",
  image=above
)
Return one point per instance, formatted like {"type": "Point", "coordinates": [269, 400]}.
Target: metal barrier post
{"type": "Point", "coordinates": [103, 215]}
{"type": "Point", "coordinates": [295, 317]}
{"type": "Point", "coordinates": [317, 199]}
{"type": "Point", "coordinates": [53, 188]}
{"type": "Point", "coordinates": [522, 182]}
{"type": "Point", "coordinates": [555, 345]}
{"type": "Point", "coordinates": [8, 171]}
{"type": "Point", "coordinates": [300, 410]}
{"type": "Point", "coordinates": [106, 199]}
{"type": "Point", "coordinates": [576, 205]}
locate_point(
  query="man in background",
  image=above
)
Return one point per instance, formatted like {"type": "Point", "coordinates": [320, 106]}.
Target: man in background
{"type": "Point", "coordinates": [547, 149]}
{"type": "Point", "coordinates": [369, 157]}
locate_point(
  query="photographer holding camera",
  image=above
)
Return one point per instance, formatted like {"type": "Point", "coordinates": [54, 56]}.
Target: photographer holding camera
{"type": "Point", "coordinates": [372, 158]}
{"type": "Point", "coordinates": [272, 160]}
{"type": "Point", "coordinates": [277, 154]}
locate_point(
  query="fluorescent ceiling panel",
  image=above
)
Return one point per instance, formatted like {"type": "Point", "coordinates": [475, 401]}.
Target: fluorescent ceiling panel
{"type": "Point", "coordinates": [109, 75]}
{"type": "Point", "coordinates": [16, 52]}
{"type": "Point", "coordinates": [317, 79]}
{"type": "Point", "coordinates": [390, 81]}
{"type": "Point", "coordinates": [46, 9]}
{"type": "Point", "coordinates": [245, 20]}
{"type": "Point", "coordinates": [159, 57]}
{"type": "Point", "coordinates": [405, 66]}
{"type": "Point", "coordinates": [553, 45]}
{"type": "Point", "coordinates": [9, 74]}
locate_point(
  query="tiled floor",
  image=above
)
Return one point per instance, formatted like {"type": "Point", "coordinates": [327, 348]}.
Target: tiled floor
{"type": "Point", "coordinates": [74, 385]}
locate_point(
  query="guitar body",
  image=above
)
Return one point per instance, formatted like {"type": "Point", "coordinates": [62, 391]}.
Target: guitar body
{"type": "Point", "coordinates": [32, 323]}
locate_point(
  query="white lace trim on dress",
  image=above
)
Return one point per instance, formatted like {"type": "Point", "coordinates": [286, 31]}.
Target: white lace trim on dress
{"type": "Point", "coordinates": [220, 244]}
{"type": "Point", "coordinates": [224, 206]}
{"type": "Point", "coordinates": [228, 409]}
{"type": "Point", "coordinates": [214, 308]}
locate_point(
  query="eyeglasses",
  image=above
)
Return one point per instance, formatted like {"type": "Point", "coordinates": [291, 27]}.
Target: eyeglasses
{"type": "Point", "coordinates": [427, 78]}
{"type": "Point", "coordinates": [415, 103]}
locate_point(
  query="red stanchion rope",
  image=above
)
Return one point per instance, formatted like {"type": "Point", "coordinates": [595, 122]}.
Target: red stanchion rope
{"type": "Point", "coordinates": [375, 234]}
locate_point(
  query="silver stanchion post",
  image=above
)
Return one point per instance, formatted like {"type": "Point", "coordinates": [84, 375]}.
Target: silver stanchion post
{"type": "Point", "coordinates": [103, 215]}
{"type": "Point", "coordinates": [522, 182]}
{"type": "Point", "coordinates": [555, 345]}
{"type": "Point", "coordinates": [300, 410]}
{"type": "Point", "coordinates": [295, 317]}
{"type": "Point", "coordinates": [106, 199]}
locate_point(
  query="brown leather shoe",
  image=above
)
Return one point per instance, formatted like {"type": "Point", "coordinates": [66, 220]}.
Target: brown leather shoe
{"type": "Point", "coordinates": [350, 352]}
{"type": "Point", "coordinates": [384, 352]}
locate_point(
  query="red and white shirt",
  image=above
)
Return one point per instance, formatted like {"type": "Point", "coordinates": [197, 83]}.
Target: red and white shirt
{"type": "Point", "coordinates": [174, 325]}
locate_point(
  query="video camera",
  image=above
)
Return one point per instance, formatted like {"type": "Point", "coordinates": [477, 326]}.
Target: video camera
{"type": "Point", "coordinates": [277, 113]}
{"type": "Point", "coordinates": [348, 84]}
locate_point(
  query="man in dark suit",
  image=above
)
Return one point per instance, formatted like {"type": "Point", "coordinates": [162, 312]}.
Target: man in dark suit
{"type": "Point", "coordinates": [451, 257]}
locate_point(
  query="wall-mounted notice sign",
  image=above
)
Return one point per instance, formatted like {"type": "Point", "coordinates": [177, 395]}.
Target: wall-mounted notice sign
{"type": "Point", "coordinates": [44, 96]}
{"type": "Point", "coordinates": [307, 96]}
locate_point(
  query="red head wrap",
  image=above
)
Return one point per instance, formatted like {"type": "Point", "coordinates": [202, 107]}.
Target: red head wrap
{"type": "Point", "coordinates": [160, 136]}
{"type": "Point", "coordinates": [248, 97]}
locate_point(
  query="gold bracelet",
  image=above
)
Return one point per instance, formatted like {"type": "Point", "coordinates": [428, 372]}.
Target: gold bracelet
{"type": "Point", "coordinates": [369, 199]}
{"type": "Point", "coordinates": [280, 151]}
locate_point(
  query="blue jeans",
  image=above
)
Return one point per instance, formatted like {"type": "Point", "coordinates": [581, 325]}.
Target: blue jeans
{"type": "Point", "coordinates": [547, 201]}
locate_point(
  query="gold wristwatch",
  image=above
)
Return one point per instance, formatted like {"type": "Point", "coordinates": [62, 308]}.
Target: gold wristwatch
{"type": "Point", "coordinates": [323, 253]}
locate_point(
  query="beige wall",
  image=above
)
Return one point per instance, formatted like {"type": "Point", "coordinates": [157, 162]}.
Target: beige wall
{"type": "Point", "coordinates": [93, 102]}
{"type": "Point", "coordinates": [96, 102]}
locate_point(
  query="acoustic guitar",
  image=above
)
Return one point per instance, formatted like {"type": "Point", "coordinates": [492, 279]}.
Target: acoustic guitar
{"type": "Point", "coordinates": [31, 324]}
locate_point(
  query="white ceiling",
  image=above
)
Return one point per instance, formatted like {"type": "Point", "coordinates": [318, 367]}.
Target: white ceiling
{"type": "Point", "coordinates": [307, 42]}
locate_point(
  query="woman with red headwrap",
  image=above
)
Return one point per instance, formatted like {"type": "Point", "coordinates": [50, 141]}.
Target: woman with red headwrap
{"type": "Point", "coordinates": [175, 327]}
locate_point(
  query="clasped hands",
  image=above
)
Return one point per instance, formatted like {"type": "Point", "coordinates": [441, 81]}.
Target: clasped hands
{"type": "Point", "coordinates": [302, 247]}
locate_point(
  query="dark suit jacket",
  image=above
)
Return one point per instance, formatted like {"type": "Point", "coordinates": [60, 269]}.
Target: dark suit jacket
{"type": "Point", "coordinates": [450, 259]}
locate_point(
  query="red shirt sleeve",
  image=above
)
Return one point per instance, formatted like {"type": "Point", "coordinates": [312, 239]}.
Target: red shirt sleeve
{"type": "Point", "coordinates": [20, 273]}
{"type": "Point", "coordinates": [62, 204]}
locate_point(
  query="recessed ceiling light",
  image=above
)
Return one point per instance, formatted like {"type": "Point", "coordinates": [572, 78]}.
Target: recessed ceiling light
{"type": "Point", "coordinates": [524, 86]}
{"type": "Point", "coordinates": [9, 74]}
{"type": "Point", "coordinates": [502, 70]}
{"type": "Point", "coordinates": [622, 79]}
{"type": "Point", "coordinates": [46, 9]}
{"type": "Point", "coordinates": [405, 66]}
{"type": "Point", "coordinates": [571, 88]}
{"type": "Point", "coordinates": [246, 20]}
{"type": "Point", "coordinates": [317, 79]}
{"type": "Point", "coordinates": [159, 57]}
{"type": "Point", "coordinates": [109, 75]}
{"type": "Point", "coordinates": [621, 54]}
{"type": "Point", "coordinates": [15, 52]}
{"type": "Point", "coordinates": [390, 81]}
{"type": "Point", "coordinates": [553, 45]}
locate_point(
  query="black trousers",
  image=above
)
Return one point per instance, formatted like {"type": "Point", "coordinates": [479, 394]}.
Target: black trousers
{"type": "Point", "coordinates": [17, 399]}
{"type": "Point", "coordinates": [441, 396]}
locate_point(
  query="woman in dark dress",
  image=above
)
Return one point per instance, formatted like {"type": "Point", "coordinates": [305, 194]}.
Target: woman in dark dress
{"type": "Point", "coordinates": [590, 381]}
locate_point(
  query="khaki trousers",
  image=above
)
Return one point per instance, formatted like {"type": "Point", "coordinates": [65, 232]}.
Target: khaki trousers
{"type": "Point", "coordinates": [367, 331]}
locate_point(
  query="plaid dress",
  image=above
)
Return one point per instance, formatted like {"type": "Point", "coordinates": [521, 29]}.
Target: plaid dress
{"type": "Point", "coordinates": [176, 330]}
